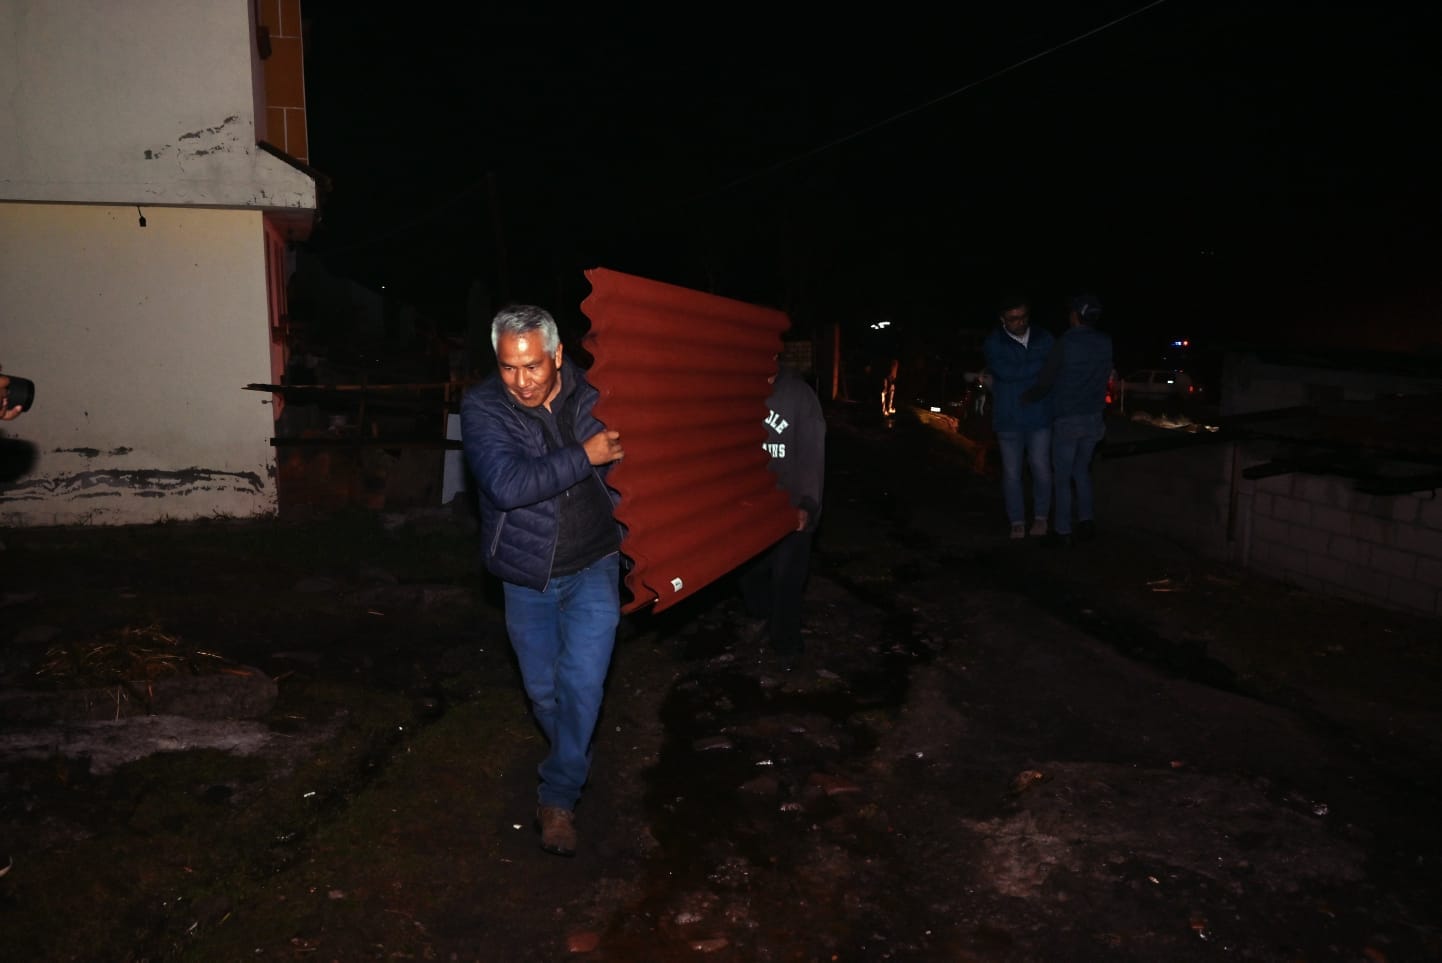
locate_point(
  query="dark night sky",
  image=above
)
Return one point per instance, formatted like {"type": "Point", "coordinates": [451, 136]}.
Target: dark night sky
{"type": "Point", "coordinates": [1224, 167]}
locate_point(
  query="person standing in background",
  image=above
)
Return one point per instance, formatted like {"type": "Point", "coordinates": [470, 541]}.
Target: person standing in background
{"type": "Point", "coordinates": [1015, 352]}
{"type": "Point", "coordinates": [1075, 378]}
{"type": "Point", "coordinates": [773, 586]}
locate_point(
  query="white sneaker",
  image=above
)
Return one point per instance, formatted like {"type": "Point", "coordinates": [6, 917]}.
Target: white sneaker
{"type": "Point", "coordinates": [1038, 527]}
{"type": "Point", "coordinates": [1018, 530]}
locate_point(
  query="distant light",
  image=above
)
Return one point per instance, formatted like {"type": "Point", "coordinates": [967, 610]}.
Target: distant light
{"type": "Point", "coordinates": [936, 409]}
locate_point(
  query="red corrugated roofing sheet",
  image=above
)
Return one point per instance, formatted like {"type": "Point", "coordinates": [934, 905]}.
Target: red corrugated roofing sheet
{"type": "Point", "coordinates": [683, 377]}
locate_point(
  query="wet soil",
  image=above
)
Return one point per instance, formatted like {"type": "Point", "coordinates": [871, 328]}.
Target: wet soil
{"type": "Point", "coordinates": [989, 752]}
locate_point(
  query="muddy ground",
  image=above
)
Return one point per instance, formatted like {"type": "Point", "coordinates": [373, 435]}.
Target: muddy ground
{"type": "Point", "coordinates": [991, 752]}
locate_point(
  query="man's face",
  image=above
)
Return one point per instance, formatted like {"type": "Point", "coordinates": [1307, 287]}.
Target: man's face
{"type": "Point", "coordinates": [531, 376]}
{"type": "Point", "coordinates": [1017, 319]}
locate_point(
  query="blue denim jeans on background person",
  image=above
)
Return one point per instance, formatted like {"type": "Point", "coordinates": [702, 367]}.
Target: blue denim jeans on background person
{"type": "Point", "coordinates": [1074, 439]}
{"type": "Point", "coordinates": [563, 639]}
{"type": "Point", "coordinates": [1035, 447]}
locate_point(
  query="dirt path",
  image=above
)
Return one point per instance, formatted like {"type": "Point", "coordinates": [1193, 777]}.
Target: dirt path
{"type": "Point", "coordinates": [989, 753]}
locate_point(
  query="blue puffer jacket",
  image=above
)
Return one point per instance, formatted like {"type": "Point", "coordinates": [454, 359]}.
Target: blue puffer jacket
{"type": "Point", "coordinates": [1014, 369]}
{"type": "Point", "coordinates": [1075, 376]}
{"type": "Point", "coordinates": [518, 479]}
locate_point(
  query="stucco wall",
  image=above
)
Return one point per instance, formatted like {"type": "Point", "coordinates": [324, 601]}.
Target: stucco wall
{"type": "Point", "coordinates": [139, 340]}
{"type": "Point", "coordinates": [142, 102]}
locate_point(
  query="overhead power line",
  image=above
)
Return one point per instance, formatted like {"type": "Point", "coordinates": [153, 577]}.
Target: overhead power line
{"type": "Point", "coordinates": [894, 118]}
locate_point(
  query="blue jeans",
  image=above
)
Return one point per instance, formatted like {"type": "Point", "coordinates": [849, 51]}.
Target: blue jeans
{"type": "Point", "coordinates": [563, 639]}
{"type": "Point", "coordinates": [1035, 447]}
{"type": "Point", "coordinates": [1074, 440]}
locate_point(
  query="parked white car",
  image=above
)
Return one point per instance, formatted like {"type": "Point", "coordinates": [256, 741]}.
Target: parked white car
{"type": "Point", "coordinates": [1159, 385]}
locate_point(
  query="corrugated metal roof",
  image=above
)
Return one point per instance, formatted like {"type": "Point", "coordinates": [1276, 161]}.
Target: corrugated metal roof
{"type": "Point", "coordinates": [683, 377]}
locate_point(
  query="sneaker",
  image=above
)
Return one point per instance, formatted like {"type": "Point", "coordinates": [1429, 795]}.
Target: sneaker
{"type": "Point", "coordinates": [1086, 530]}
{"type": "Point", "coordinates": [558, 830]}
{"type": "Point", "coordinates": [1038, 527]}
{"type": "Point", "coordinates": [1018, 530]}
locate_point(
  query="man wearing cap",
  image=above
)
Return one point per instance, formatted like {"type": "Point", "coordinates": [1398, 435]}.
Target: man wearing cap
{"type": "Point", "coordinates": [1075, 378]}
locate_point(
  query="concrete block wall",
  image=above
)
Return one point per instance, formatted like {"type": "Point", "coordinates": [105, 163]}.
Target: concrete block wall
{"type": "Point", "coordinates": [1183, 494]}
{"type": "Point", "coordinates": [1318, 532]}
{"type": "Point", "coordinates": [1312, 531]}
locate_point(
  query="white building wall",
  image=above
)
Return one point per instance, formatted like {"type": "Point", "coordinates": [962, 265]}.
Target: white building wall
{"type": "Point", "coordinates": [144, 102]}
{"type": "Point", "coordinates": [139, 340]}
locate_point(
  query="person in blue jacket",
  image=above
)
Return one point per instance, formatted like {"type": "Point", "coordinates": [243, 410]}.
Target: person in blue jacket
{"type": "Point", "coordinates": [1075, 379]}
{"type": "Point", "coordinates": [1015, 352]}
{"type": "Point", "coordinates": [548, 532]}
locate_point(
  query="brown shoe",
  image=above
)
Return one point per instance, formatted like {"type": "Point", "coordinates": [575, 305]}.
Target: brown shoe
{"type": "Point", "coordinates": [558, 830]}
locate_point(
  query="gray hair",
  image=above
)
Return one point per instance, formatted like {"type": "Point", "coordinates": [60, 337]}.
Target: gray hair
{"type": "Point", "coordinates": [523, 319]}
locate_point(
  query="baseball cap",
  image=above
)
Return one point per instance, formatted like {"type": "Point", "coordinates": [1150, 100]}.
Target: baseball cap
{"type": "Point", "coordinates": [1088, 306]}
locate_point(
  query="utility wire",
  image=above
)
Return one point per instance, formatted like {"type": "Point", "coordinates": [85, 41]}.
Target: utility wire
{"type": "Point", "coordinates": [846, 138]}
{"type": "Point", "coordinates": [422, 218]}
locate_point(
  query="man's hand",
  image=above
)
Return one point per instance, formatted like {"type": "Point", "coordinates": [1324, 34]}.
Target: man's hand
{"type": "Point", "coordinates": [604, 447]}
{"type": "Point", "coordinates": [7, 411]}
{"type": "Point", "coordinates": [802, 517]}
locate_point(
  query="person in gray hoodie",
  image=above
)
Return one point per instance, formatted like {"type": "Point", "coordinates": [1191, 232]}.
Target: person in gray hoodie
{"type": "Point", "coordinates": [773, 585]}
{"type": "Point", "coordinates": [1075, 378]}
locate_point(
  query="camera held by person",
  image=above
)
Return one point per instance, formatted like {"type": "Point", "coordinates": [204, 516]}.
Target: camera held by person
{"type": "Point", "coordinates": [16, 396]}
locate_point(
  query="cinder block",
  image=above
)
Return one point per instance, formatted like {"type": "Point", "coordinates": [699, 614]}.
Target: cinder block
{"type": "Point", "coordinates": [1327, 569]}
{"type": "Point", "coordinates": [1292, 510]}
{"type": "Point", "coordinates": [1404, 509]}
{"type": "Point", "coordinates": [1348, 549]}
{"type": "Point", "coordinates": [1414, 538]}
{"type": "Point", "coordinates": [1320, 490]}
{"type": "Point", "coordinates": [1330, 519]}
{"type": "Point", "coordinates": [1307, 539]}
{"type": "Point", "coordinates": [1413, 595]}
{"type": "Point", "coordinates": [1429, 571]}
{"type": "Point", "coordinates": [1391, 562]}
{"type": "Point", "coordinates": [1429, 512]}
{"type": "Point", "coordinates": [1361, 503]}
{"type": "Point", "coordinates": [1368, 581]}
{"type": "Point", "coordinates": [1370, 528]}
{"type": "Point", "coordinates": [1269, 530]}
